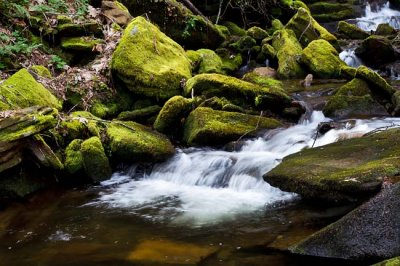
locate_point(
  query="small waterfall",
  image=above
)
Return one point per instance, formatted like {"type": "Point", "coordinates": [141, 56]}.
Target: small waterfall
{"type": "Point", "coordinates": [350, 58]}
{"type": "Point", "coordinates": [383, 14]}
{"type": "Point", "coordinates": [204, 186]}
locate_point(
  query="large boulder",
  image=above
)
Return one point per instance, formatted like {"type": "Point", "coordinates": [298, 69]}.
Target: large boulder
{"type": "Point", "coordinates": [376, 51]}
{"type": "Point", "coordinates": [329, 12]}
{"type": "Point", "coordinates": [21, 90]}
{"type": "Point", "coordinates": [351, 31]}
{"type": "Point", "coordinates": [377, 84]}
{"type": "Point", "coordinates": [288, 53]}
{"type": "Point", "coordinates": [95, 161]}
{"type": "Point", "coordinates": [210, 62]}
{"type": "Point", "coordinates": [205, 126]}
{"type": "Point", "coordinates": [307, 29]}
{"type": "Point", "coordinates": [178, 22]}
{"type": "Point", "coordinates": [239, 92]}
{"type": "Point", "coordinates": [345, 171]}
{"type": "Point", "coordinates": [148, 62]}
{"type": "Point", "coordinates": [370, 232]}
{"type": "Point", "coordinates": [322, 59]}
{"type": "Point", "coordinates": [133, 142]}
{"type": "Point", "coordinates": [354, 99]}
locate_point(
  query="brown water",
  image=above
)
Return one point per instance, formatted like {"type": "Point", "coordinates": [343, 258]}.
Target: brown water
{"type": "Point", "coordinates": [57, 228]}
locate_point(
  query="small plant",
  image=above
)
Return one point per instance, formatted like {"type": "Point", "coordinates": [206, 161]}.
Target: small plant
{"type": "Point", "coordinates": [190, 26]}
{"type": "Point", "coordinates": [58, 62]}
{"type": "Point", "coordinates": [15, 43]}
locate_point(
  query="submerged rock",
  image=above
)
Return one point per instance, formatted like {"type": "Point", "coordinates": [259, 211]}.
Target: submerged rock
{"type": "Point", "coordinates": [21, 90]}
{"type": "Point", "coordinates": [132, 142]}
{"type": "Point", "coordinates": [345, 171]}
{"type": "Point", "coordinates": [322, 59]}
{"type": "Point", "coordinates": [205, 126]}
{"type": "Point", "coordinates": [148, 62]}
{"type": "Point", "coordinates": [372, 231]}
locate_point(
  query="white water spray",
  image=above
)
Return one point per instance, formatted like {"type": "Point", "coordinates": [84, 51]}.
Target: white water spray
{"type": "Point", "coordinates": [383, 14]}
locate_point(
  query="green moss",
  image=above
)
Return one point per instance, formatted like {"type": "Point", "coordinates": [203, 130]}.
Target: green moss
{"type": "Point", "coordinates": [322, 59]}
{"type": "Point", "coordinates": [288, 52]}
{"type": "Point", "coordinates": [78, 125]}
{"type": "Point", "coordinates": [268, 50]}
{"type": "Point", "coordinates": [390, 262]}
{"type": "Point", "coordinates": [80, 44]}
{"type": "Point", "coordinates": [222, 103]}
{"type": "Point", "coordinates": [79, 29]}
{"type": "Point", "coordinates": [307, 29]}
{"type": "Point", "coordinates": [239, 92]}
{"type": "Point", "coordinates": [148, 62]}
{"type": "Point", "coordinates": [121, 6]}
{"type": "Point", "coordinates": [22, 90]}
{"type": "Point", "coordinates": [210, 62]}
{"type": "Point", "coordinates": [194, 58]}
{"type": "Point", "coordinates": [348, 72]}
{"type": "Point", "coordinates": [170, 119]}
{"type": "Point", "coordinates": [276, 24]}
{"type": "Point", "coordinates": [258, 79]}
{"type": "Point", "coordinates": [41, 71]}
{"type": "Point", "coordinates": [351, 31]}
{"type": "Point", "coordinates": [375, 81]}
{"type": "Point", "coordinates": [95, 162]}
{"type": "Point", "coordinates": [73, 157]}
{"type": "Point", "coordinates": [327, 12]}
{"type": "Point", "coordinates": [206, 126]}
{"type": "Point", "coordinates": [230, 61]}
{"type": "Point", "coordinates": [223, 30]}
{"type": "Point", "coordinates": [132, 142]}
{"type": "Point", "coordinates": [385, 29]}
{"type": "Point", "coordinates": [356, 87]}
{"type": "Point", "coordinates": [341, 172]}
{"type": "Point", "coordinates": [62, 19]}
{"type": "Point", "coordinates": [140, 115]}
{"type": "Point", "coordinates": [257, 33]}
{"type": "Point", "coordinates": [105, 110]}
{"type": "Point", "coordinates": [244, 44]}
{"type": "Point", "coordinates": [234, 29]}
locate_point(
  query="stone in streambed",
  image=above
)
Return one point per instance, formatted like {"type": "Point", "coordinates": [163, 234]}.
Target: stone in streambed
{"type": "Point", "coordinates": [95, 161]}
{"type": "Point", "coordinates": [376, 51]}
{"type": "Point", "coordinates": [351, 31]}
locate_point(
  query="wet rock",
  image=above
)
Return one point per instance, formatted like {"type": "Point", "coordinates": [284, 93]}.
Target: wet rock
{"type": "Point", "coordinates": [328, 11]}
{"type": "Point", "coordinates": [375, 81]}
{"type": "Point", "coordinates": [288, 53]}
{"type": "Point", "coordinates": [376, 51]}
{"type": "Point", "coordinates": [148, 62]}
{"type": "Point", "coordinates": [385, 29]}
{"type": "Point", "coordinates": [345, 171]}
{"type": "Point", "coordinates": [322, 59]}
{"type": "Point", "coordinates": [116, 11]}
{"type": "Point", "coordinates": [21, 90]}
{"type": "Point", "coordinates": [352, 100]}
{"type": "Point", "coordinates": [307, 29]}
{"type": "Point", "coordinates": [170, 119]}
{"type": "Point", "coordinates": [132, 142]}
{"type": "Point", "coordinates": [237, 91]}
{"type": "Point", "coordinates": [44, 154]}
{"type": "Point", "coordinates": [95, 161]}
{"type": "Point", "coordinates": [351, 31]}
{"type": "Point", "coordinates": [372, 231]}
{"type": "Point", "coordinates": [205, 126]}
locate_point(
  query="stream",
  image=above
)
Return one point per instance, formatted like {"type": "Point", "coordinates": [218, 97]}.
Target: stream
{"type": "Point", "coordinates": [203, 206]}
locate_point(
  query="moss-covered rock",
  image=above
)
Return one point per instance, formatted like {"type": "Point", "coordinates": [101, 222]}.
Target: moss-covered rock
{"type": "Point", "coordinates": [390, 262]}
{"type": "Point", "coordinates": [116, 11]}
{"type": "Point", "coordinates": [351, 31]}
{"type": "Point", "coordinates": [95, 161]}
{"type": "Point", "coordinates": [257, 33]}
{"type": "Point", "coordinates": [244, 44]}
{"type": "Point", "coordinates": [73, 157]}
{"type": "Point", "coordinates": [170, 119]}
{"type": "Point", "coordinates": [80, 44]}
{"type": "Point", "coordinates": [132, 142]}
{"type": "Point", "coordinates": [234, 29]}
{"type": "Point", "coordinates": [205, 126]}
{"type": "Point", "coordinates": [328, 11]}
{"type": "Point", "coordinates": [210, 62]}
{"type": "Point", "coordinates": [376, 51]}
{"type": "Point", "coordinates": [222, 103]}
{"type": "Point", "coordinates": [178, 22]}
{"type": "Point", "coordinates": [276, 24]}
{"type": "Point", "coordinates": [385, 29]}
{"type": "Point", "coordinates": [194, 58]}
{"type": "Point", "coordinates": [345, 171]}
{"type": "Point", "coordinates": [376, 83]}
{"type": "Point", "coordinates": [288, 53]}
{"type": "Point", "coordinates": [142, 115]}
{"type": "Point", "coordinates": [41, 71]}
{"type": "Point", "coordinates": [22, 90]}
{"type": "Point", "coordinates": [148, 62]}
{"type": "Point", "coordinates": [265, 81]}
{"type": "Point", "coordinates": [86, 28]}
{"type": "Point", "coordinates": [307, 29]}
{"type": "Point", "coordinates": [322, 59]}
{"type": "Point", "coordinates": [230, 61]}
{"type": "Point", "coordinates": [237, 91]}
{"type": "Point", "coordinates": [224, 30]}
{"type": "Point", "coordinates": [348, 72]}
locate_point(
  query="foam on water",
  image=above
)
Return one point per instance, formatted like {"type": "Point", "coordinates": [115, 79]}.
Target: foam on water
{"type": "Point", "coordinates": [203, 186]}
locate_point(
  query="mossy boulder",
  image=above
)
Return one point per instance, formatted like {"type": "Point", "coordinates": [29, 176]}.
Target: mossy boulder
{"type": "Point", "coordinates": [95, 161]}
{"type": "Point", "coordinates": [265, 81]}
{"type": "Point", "coordinates": [85, 28]}
{"type": "Point", "coordinates": [195, 59]}
{"type": "Point", "coordinates": [377, 84]}
{"type": "Point", "coordinates": [22, 90]}
{"type": "Point", "coordinates": [80, 44]}
{"type": "Point", "coordinates": [142, 115]}
{"type": "Point", "coordinates": [351, 31]}
{"type": "Point", "coordinates": [73, 158]}
{"type": "Point", "coordinates": [244, 44]}
{"type": "Point", "coordinates": [307, 29]}
{"type": "Point", "coordinates": [352, 100]}
{"type": "Point", "coordinates": [148, 62]}
{"type": "Point", "coordinates": [376, 51]}
{"type": "Point", "coordinates": [288, 53]}
{"type": "Point", "coordinates": [205, 126]}
{"type": "Point", "coordinates": [276, 24]}
{"type": "Point", "coordinates": [257, 33]}
{"type": "Point", "coordinates": [342, 172]}
{"type": "Point", "coordinates": [171, 117]}
{"type": "Point", "coordinates": [223, 30]}
{"type": "Point", "coordinates": [234, 29]}
{"type": "Point", "coordinates": [322, 59]}
{"type": "Point", "coordinates": [385, 29]}
{"type": "Point", "coordinates": [41, 71]}
{"type": "Point", "coordinates": [222, 103]}
{"type": "Point", "coordinates": [131, 142]}
{"type": "Point", "coordinates": [237, 91]}
{"type": "Point", "coordinates": [329, 12]}
{"type": "Point", "coordinates": [210, 62]}
{"type": "Point", "coordinates": [369, 233]}
{"type": "Point", "coordinates": [231, 62]}
{"type": "Point", "coordinates": [178, 22]}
